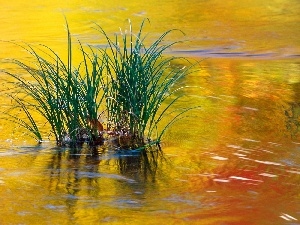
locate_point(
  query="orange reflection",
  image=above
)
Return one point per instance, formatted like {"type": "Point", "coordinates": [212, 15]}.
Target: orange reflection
{"type": "Point", "coordinates": [233, 161]}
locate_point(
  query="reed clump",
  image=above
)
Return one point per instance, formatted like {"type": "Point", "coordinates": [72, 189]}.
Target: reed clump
{"type": "Point", "coordinates": [130, 86]}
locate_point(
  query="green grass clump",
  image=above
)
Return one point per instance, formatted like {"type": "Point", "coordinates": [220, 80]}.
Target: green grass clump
{"type": "Point", "coordinates": [134, 85]}
{"type": "Point", "coordinates": [141, 80]}
{"type": "Point", "coordinates": [57, 91]}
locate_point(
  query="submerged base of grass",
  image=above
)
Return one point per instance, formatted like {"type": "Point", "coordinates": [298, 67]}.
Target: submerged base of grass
{"type": "Point", "coordinates": [109, 141]}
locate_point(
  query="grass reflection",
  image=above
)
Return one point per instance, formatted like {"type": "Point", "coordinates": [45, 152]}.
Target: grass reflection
{"type": "Point", "coordinates": [96, 171]}
{"type": "Point", "coordinates": [144, 163]}
{"type": "Point", "coordinates": [292, 114]}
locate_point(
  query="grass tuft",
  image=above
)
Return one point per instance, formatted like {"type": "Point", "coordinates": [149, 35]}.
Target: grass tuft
{"type": "Point", "coordinates": [135, 86]}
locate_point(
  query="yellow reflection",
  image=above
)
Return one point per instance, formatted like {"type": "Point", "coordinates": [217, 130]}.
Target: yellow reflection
{"type": "Point", "coordinates": [239, 98]}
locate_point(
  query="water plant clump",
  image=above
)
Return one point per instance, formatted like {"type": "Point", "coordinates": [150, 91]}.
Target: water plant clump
{"type": "Point", "coordinates": [130, 85]}
{"type": "Point", "coordinates": [65, 97]}
{"type": "Point", "coordinates": [141, 80]}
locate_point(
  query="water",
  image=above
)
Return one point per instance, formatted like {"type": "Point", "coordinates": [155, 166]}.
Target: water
{"type": "Point", "coordinates": [233, 161]}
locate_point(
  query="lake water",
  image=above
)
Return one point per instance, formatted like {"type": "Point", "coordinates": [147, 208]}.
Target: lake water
{"type": "Point", "coordinates": [236, 160]}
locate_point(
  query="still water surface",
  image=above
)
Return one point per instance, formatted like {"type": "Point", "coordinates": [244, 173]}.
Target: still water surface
{"type": "Point", "coordinates": [236, 160]}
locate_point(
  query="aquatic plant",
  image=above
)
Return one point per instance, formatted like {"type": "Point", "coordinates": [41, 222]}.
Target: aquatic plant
{"type": "Point", "coordinates": [58, 92]}
{"type": "Point", "coordinates": [141, 80]}
{"type": "Point", "coordinates": [135, 86]}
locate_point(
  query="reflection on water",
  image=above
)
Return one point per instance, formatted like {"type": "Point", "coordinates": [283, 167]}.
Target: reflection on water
{"type": "Point", "coordinates": [233, 161]}
{"type": "Point", "coordinates": [131, 167]}
{"type": "Point", "coordinates": [225, 183]}
{"type": "Point", "coordinates": [237, 28]}
{"type": "Point", "coordinates": [69, 184]}
{"type": "Point", "coordinates": [293, 118]}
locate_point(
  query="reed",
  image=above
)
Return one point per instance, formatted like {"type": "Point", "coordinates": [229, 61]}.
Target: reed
{"type": "Point", "coordinates": [141, 82]}
{"type": "Point", "coordinates": [136, 86]}
{"type": "Point", "coordinates": [59, 94]}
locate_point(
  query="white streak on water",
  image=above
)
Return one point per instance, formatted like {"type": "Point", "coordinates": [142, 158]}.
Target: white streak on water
{"type": "Point", "coordinates": [210, 96]}
{"type": "Point", "coordinates": [245, 158]}
{"type": "Point", "coordinates": [221, 180]}
{"type": "Point", "coordinates": [237, 154]}
{"type": "Point", "coordinates": [244, 151]}
{"type": "Point", "coordinates": [219, 158]}
{"type": "Point", "coordinates": [268, 151]}
{"type": "Point", "coordinates": [273, 143]}
{"type": "Point", "coordinates": [234, 146]}
{"type": "Point", "coordinates": [268, 175]}
{"type": "Point", "coordinates": [268, 163]}
{"type": "Point", "coordinates": [293, 171]}
{"type": "Point", "coordinates": [243, 178]}
{"type": "Point", "coordinates": [250, 108]}
{"type": "Point", "coordinates": [287, 217]}
{"type": "Point", "coordinates": [251, 140]}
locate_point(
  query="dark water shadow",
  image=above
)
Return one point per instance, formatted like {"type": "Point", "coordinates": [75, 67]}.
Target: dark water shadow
{"type": "Point", "coordinates": [106, 179]}
{"type": "Point", "coordinates": [73, 168]}
{"type": "Point", "coordinates": [141, 165]}
{"type": "Point", "coordinates": [292, 113]}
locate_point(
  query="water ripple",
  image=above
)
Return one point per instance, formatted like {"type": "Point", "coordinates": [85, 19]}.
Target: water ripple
{"type": "Point", "coordinates": [222, 52]}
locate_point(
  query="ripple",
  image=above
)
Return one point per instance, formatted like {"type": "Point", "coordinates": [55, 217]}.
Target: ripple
{"type": "Point", "coordinates": [268, 175]}
{"type": "Point", "coordinates": [111, 176]}
{"type": "Point", "coordinates": [221, 52]}
{"type": "Point", "coordinates": [219, 158]}
{"type": "Point", "coordinates": [268, 163]}
{"type": "Point", "coordinates": [248, 139]}
{"type": "Point", "coordinates": [293, 171]}
{"type": "Point", "coordinates": [238, 154]}
{"type": "Point", "coordinates": [243, 178]}
{"type": "Point", "coordinates": [287, 217]}
{"type": "Point", "coordinates": [221, 180]}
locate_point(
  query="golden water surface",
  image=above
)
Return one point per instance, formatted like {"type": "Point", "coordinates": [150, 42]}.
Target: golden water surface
{"type": "Point", "coordinates": [233, 161]}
